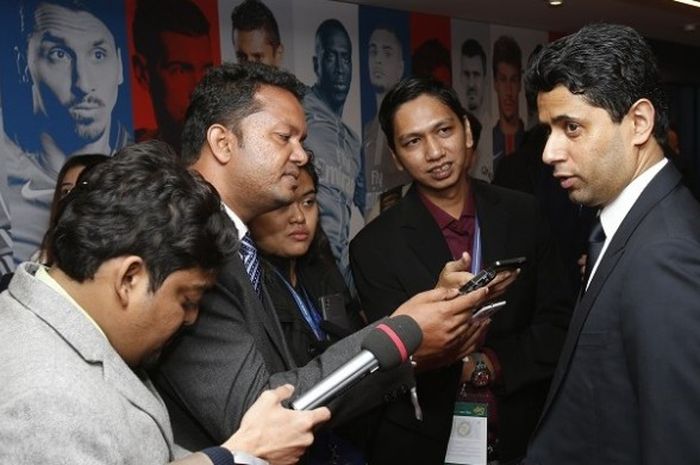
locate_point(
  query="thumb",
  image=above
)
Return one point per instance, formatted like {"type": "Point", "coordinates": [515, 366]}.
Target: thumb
{"type": "Point", "coordinates": [283, 392]}
{"type": "Point", "coordinates": [461, 264]}
{"type": "Point", "coordinates": [320, 415]}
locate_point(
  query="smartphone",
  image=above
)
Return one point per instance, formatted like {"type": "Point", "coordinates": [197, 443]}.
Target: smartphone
{"type": "Point", "coordinates": [488, 310]}
{"type": "Point", "coordinates": [508, 264]}
{"type": "Point", "coordinates": [485, 276]}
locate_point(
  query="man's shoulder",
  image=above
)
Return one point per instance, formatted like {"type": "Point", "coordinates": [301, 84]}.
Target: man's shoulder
{"type": "Point", "coordinates": [494, 194]}
{"type": "Point", "coordinates": [384, 228]}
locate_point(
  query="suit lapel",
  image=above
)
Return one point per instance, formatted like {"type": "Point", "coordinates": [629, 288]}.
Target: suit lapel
{"type": "Point", "coordinates": [493, 222]}
{"type": "Point", "coordinates": [258, 310]}
{"type": "Point", "coordinates": [662, 184]}
{"type": "Point", "coordinates": [422, 234]}
{"type": "Point", "coordinates": [92, 346]}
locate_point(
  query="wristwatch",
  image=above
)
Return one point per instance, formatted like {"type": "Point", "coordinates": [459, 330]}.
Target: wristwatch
{"type": "Point", "coordinates": [481, 376]}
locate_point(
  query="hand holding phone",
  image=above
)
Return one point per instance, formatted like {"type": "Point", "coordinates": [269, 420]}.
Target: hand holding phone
{"type": "Point", "coordinates": [485, 276]}
{"type": "Point", "coordinates": [487, 311]}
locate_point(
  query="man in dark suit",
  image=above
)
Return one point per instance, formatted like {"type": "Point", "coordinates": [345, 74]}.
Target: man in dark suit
{"type": "Point", "coordinates": [444, 214]}
{"type": "Point", "coordinates": [625, 388]}
{"type": "Point", "coordinates": [244, 134]}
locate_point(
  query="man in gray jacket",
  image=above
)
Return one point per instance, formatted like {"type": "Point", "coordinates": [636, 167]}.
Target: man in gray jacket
{"type": "Point", "coordinates": [138, 242]}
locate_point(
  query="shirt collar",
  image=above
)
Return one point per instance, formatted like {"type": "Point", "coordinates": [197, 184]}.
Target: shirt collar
{"type": "Point", "coordinates": [241, 228]}
{"type": "Point", "coordinates": [612, 215]}
{"type": "Point", "coordinates": [444, 219]}
{"type": "Point", "coordinates": [43, 276]}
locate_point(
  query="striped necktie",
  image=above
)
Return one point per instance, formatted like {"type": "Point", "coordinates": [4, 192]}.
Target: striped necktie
{"type": "Point", "coordinates": [249, 254]}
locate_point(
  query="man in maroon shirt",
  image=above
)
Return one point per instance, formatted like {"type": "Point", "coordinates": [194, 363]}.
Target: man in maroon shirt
{"type": "Point", "coordinates": [444, 215]}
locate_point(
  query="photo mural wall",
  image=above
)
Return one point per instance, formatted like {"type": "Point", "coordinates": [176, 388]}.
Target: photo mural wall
{"type": "Point", "coordinates": [89, 77]}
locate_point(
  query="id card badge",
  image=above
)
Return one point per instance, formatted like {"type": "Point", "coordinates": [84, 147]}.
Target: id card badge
{"type": "Point", "coordinates": [467, 444]}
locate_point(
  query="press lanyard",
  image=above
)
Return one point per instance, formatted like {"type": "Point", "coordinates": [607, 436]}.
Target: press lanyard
{"type": "Point", "coordinates": [306, 307]}
{"type": "Point", "coordinates": [476, 247]}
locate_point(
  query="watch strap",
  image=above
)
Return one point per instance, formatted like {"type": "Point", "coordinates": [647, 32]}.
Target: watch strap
{"type": "Point", "coordinates": [219, 455]}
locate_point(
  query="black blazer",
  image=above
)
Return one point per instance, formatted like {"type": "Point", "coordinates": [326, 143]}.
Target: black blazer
{"type": "Point", "coordinates": [626, 387]}
{"type": "Point", "coordinates": [219, 366]}
{"type": "Point", "coordinates": [402, 253]}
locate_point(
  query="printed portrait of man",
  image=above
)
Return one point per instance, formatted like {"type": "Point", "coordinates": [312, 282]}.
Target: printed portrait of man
{"type": "Point", "coordinates": [473, 75]}
{"type": "Point", "coordinates": [65, 99]}
{"type": "Point", "coordinates": [255, 34]}
{"type": "Point", "coordinates": [173, 52]}
{"type": "Point", "coordinates": [387, 58]}
{"type": "Point", "coordinates": [507, 76]}
{"type": "Point", "coordinates": [336, 146]}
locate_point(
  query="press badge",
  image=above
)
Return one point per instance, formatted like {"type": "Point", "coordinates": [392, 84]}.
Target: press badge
{"type": "Point", "coordinates": [467, 444]}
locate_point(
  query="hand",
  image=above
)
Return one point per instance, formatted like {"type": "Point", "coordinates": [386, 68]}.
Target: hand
{"type": "Point", "coordinates": [444, 317]}
{"type": "Point", "coordinates": [501, 282]}
{"type": "Point", "coordinates": [455, 274]}
{"type": "Point", "coordinates": [274, 433]}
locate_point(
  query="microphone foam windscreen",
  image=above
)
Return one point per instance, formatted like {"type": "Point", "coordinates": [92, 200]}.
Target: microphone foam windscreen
{"type": "Point", "coordinates": [393, 341]}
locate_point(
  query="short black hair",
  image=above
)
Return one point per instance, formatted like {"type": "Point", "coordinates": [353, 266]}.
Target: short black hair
{"type": "Point", "coordinates": [429, 56]}
{"type": "Point", "coordinates": [226, 95]}
{"type": "Point", "coordinates": [254, 14]}
{"type": "Point", "coordinates": [142, 202]}
{"type": "Point", "coordinates": [152, 17]}
{"type": "Point", "coordinates": [472, 48]}
{"type": "Point", "coordinates": [410, 89]}
{"type": "Point", "coordinates": [506, 50]}
{"type": "Point", "coordinates": [326, 30]}
{"type": "Point", "coordinates": [610, 66]}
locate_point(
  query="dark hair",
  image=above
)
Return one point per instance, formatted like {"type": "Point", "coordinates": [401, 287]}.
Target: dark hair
{"type": "Point", "coordinates": [475, 126]}
{"type": "Point", "coordinates": [87, 161]}
{"type": "Point", "coordinates": [429, 56]}
{"type": "Point", "coordinates": [472, 48]}
{"type": "Point", "coordinates": [610, 66]}
{"type": "Point", "coordinates": [506, 50]}
{"type": "Point", "coordinates": [326, 29]}
{"type": "Point", "coordinates": [254, 14]}
{"type": "Point", "coordinates": [410, 89]}
{"type": "Point", "coordinates": [226, 95]}
{"type": "Point", "coordinates": [155, 16]}
{"type": "Point", "coordinates": [142, 202]}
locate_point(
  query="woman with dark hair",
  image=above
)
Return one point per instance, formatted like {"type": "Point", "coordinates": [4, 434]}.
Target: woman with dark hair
{"type": "Point", "coordinates": [301, 276]}
{"type": "Point", "coordinates": [66, 180]}
{"type": "Point", "coordinates": [311, 299]}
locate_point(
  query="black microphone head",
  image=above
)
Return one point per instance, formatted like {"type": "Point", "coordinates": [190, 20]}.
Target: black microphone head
{"type": "Point", "coordinates": [393, 341]}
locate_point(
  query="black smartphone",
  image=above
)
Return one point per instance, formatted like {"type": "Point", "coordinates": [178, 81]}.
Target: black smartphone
{"type": "Point", "coordinates": [485, 276]}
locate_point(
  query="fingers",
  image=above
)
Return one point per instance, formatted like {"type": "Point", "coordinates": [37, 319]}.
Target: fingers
{"type": "Point", "coordinates": [320, 415]}
{"type": "Point", "coordinates": [282, 392]}
{"type": "Point", "coordinates": [471, 299]}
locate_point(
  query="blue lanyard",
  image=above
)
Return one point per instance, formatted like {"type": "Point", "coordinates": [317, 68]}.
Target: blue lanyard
{"type": "Point", "coordinates": [476, 247]}
{"type": "Point", "coordinates": [306, 307]}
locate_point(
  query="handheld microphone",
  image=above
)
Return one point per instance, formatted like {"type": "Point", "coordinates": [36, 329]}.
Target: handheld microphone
{"type": "Point", "coordinates": [387, 346]}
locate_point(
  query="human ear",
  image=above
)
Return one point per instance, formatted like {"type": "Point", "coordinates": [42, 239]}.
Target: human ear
{"type": "Point", "coordinates": [130, 276]}
{"type": "Point", "coordinates": [222, 142]}
{"type": "Point", "coordinates": [642, 117]}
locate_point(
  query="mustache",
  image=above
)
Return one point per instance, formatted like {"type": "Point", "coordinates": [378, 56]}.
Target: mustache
{"type": "Point", "coordinates": [87, 101]}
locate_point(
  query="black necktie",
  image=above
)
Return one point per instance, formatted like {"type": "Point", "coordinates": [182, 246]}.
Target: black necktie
{"type": "Point", "coordinates": [596, 239]}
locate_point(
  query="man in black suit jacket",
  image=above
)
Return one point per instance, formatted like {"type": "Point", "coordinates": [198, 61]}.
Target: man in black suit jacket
{"type": "Point", "coordinates": [243, 134]}
{"type": "Point", "coordinates": [627, 383]}
{"type": "Point", "coordinates": [403, 250]}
